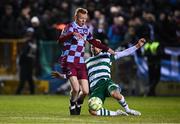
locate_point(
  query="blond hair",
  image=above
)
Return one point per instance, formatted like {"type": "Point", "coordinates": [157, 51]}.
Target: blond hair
{"type": "Point", "coordinates": [80, 10]}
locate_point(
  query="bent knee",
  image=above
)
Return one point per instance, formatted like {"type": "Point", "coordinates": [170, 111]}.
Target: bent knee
{"type": "Point", "coordinates": [116, 95]}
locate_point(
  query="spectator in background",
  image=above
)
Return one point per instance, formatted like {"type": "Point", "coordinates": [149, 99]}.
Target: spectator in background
{"type": "Point", "coordinates": [38, 30]}
{"type": "Point", "coordinates": [177, 20]}
{"type": "Point", "coordinates": [47, 25]}
{"type": "Point", "coordinates": [100, 33]}
{"type": "Point", "coordinates": [38, 35]}
{"type": "Point", "coordinates": [24, 21]}
{"type": "Point", "coordinates": [26, 62]}
{"type": "Point", "coordinates": [65, 13]}
{"type": "Point", "coordinates": [152, 51]}
{"type": "Point", "coordinates": [168, 26]}
{"type": "Point", "coordinates": [8, 23]}
{"type": "Point", "coordinates": [130, 35]}
{"type": "Point", "coordinates": [116, 32]}
{"type": "Point", "coordinates": [8, 29]}
{"type": "Point", "coordinates": [97, 17]}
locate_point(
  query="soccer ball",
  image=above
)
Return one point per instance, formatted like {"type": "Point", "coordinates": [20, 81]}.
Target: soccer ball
{"type": "Point", "coordinates": [95, 103]}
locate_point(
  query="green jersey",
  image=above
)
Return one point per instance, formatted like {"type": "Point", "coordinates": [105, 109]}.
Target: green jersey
{"type": "Point", "coordinates": [99, 67]}
{"type": "Point", "coordinates": [99, 72]}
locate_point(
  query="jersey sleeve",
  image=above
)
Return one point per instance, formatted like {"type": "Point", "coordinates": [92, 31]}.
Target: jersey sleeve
{"type": "Point", "coordinates": [125, 52]}
{"type": "Point", "coordinates": [66, 33]}
{"type": "Point", "coordinates": [98, 44]}
{"type": "Point", "coordinates": [67, 29]}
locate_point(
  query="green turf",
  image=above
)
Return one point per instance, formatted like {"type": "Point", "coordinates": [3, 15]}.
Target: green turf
{"type": "Point", "coordinates": [54, 109]}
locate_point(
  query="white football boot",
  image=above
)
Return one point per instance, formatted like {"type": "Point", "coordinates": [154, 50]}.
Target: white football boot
{"type": "Point", "coordinates": [120, 112]}
{"type": "Point", "coordinates": [133, 112]}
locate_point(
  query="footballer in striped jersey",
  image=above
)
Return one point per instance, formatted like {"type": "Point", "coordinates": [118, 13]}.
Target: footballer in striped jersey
{"type": "Point", "coordinates": [100, 82]}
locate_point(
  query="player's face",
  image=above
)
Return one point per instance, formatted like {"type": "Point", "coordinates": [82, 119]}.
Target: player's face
{"type": "Point", "coordinates": [81, 19]}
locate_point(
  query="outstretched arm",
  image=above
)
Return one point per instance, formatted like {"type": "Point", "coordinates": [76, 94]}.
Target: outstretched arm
{"type": "Point", "coordinates": [99, 45]}
{"type": "Point", "coordinates": [130, 50]}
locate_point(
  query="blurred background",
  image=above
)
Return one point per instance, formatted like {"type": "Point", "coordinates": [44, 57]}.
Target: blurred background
{"type": "Point", "coordinates": [28, 38]}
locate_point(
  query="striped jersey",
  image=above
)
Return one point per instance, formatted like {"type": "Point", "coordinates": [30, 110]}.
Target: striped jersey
{"type": "Point", "coordinates": [73, 50]}
{"type": "Point", "coordinates": [99, 67]}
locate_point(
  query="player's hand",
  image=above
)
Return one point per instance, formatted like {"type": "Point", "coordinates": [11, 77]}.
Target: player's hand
{"type": "Point", "coordinates": [111, 51]}
{"type": "Point", "coordinates": [141, 42]}
{"type": "Point", "coordinates": [56, 74]}
{"type": "Point", "coordinates": [78, 35]}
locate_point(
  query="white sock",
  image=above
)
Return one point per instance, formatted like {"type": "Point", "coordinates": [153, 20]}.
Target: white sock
{"type": "Point", "coordinates": [105, 112]}
{"type": "Point", "coordinates": [123, 103]}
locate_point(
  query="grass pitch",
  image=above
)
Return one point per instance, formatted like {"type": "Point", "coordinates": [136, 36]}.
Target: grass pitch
{"type": "Point", "coordinates": [54, 109]}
